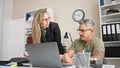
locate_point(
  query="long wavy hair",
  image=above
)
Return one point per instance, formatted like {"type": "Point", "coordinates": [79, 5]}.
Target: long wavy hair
{"type": "Point", "coordinates": [36, 29]}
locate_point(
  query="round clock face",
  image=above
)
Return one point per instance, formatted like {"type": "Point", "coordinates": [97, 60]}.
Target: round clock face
{"type": "Point", "coordinates": [78, 15]}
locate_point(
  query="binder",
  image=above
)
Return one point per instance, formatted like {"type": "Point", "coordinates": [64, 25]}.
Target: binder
{"type": "Point", "coordinates": [104, 32]}
{"type": "Point", "coordinates": [114, 32]}
{"type": "Point", "coordinates": [118, 31]}
{"type": "Point", "coordinates": [101, 2]}
{"type": "Point", "coordinates": [109, 33]}
{"type": "Point", "coordinates": [27, 16]}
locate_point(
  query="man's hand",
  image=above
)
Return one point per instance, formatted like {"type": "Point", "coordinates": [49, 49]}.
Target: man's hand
{"type": "Point", "coordinates": [66, 59]}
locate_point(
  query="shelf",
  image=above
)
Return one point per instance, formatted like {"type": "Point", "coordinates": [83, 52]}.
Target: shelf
{"type": "Point", "coordinates": [28, 34]}
{"type": "Point", "coordinates": [110, 19]}
{"type": "Point", "coordinates": [112, 58]}
{"type": "Point", "coordinates": [28, 21]}
{"type": "Point", "coordinates": [28, 28]}
{"type": "Point", "coordinates": [111, 22]}
{"type": "Point", "coordinates": [108, 5]}
{"type": "Point", "coordinates": [112, 42]}
{"type": "Point", "coordinates": [111, 15]}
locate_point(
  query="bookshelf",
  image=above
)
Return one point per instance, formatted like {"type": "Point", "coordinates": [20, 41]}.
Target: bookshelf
{"type": "Point", "coordinates": [109, 13]}
{"type": "Point", "coordinates": [28, 26]}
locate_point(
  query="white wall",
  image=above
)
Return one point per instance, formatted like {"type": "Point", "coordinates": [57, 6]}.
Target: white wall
{"type": "Point", "coordinates": [1, 12]}
{"type": "Point", "coordinates": [13, 30]}
{"type": "Point", "coordinates": [63, 10]}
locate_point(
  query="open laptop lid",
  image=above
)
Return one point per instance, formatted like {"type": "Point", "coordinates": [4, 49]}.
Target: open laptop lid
{"type": "Point", "coordinates": [44, 55]}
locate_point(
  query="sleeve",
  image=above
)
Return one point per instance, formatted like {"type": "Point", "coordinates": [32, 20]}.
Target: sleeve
{"type": "Point", "coordinates": [72, 47]}
{"type": "Point", "coordinates": [57, 36]}
{"type": "Point", "coordinates": [75, 46]}
{"type": "Point", "coordinates": [99, 45]}
{"type": "Point", "coordinates": [99, 49]}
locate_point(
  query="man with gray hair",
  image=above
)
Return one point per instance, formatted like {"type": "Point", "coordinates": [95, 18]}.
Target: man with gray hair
{"type": "Point", "coordinates": [87, 42]}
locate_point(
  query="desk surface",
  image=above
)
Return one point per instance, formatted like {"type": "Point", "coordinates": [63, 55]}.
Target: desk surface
{"type": "Point", "coordinates": [104, 66]}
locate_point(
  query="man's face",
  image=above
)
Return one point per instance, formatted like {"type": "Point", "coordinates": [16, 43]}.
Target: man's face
{"type": "Point", "coordinates": [45, 21]}
{"type": "Point", "coordinates": [85, 32]}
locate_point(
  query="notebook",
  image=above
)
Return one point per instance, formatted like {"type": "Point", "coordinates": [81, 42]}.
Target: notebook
{"type": "Point", "coordinates": [44, 55]}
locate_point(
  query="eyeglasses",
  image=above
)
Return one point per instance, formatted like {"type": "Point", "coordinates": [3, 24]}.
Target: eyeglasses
{"type": "Point", "coordinates": [46, 19]}
{"type": "Point", "coordinates": [83, 30]}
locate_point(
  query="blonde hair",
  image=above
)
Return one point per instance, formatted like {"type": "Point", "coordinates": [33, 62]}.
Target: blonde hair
{"type": "Point", "coordinates": [36, 30]}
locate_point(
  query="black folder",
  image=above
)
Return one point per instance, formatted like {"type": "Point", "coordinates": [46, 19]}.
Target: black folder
{"type": "Point", "coordinates": [111, 32]}
{"type": "Point", "coordinates": [104, 35]}
{"type": "Point", "coordinates": [118, 31]}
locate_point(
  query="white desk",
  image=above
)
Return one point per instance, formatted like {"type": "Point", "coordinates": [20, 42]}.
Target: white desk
{"type": "Point", "coordinates": [104, 66]}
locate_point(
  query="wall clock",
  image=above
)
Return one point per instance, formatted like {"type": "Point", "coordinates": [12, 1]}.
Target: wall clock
{"type": "Point", "coordinates": [78, 15]}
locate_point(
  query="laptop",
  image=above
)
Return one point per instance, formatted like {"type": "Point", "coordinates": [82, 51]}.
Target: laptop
{"type": "Point", "coordinates": [44, 55]}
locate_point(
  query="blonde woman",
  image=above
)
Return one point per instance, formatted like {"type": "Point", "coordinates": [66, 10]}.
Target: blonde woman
{"type": "Point", "coordinates": [43, 30]}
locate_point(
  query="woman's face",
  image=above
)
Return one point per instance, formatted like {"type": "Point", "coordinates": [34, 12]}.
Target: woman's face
{"type": "Point", "coordinates": [45, 21]}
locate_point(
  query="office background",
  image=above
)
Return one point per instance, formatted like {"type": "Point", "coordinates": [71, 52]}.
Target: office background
{"type": "Point", "coordinates": [12, 21]}
{"type": "Point", "coordinates": [62, 13]}
{"type": "Point", "coordinates": [13, 26]}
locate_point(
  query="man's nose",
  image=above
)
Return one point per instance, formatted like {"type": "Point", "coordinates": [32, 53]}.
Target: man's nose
{"type": "Point", "coordinates": [80, 33]}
